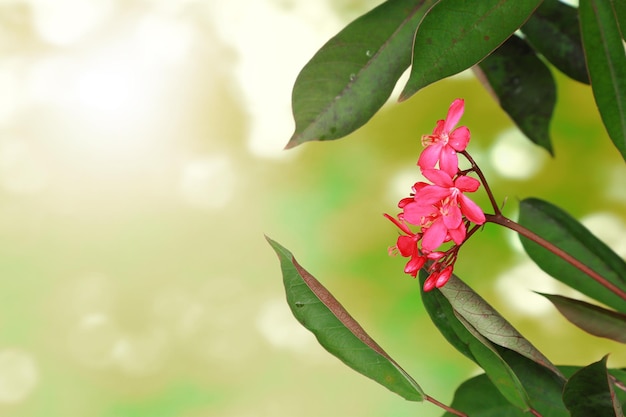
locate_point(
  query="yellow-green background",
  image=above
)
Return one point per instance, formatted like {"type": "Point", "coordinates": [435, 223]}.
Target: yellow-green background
{"type": "Point", "coordinates": [140, 166]}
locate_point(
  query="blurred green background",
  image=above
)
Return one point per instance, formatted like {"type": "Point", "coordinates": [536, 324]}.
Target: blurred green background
{"type": "Point", "coordinates": [141, 163]}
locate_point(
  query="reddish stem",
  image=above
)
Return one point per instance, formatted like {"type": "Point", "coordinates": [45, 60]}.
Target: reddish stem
{"type": "Point", "coordinates": [445, 407]}
{"type": "Point", "coordinates": [506, 222]}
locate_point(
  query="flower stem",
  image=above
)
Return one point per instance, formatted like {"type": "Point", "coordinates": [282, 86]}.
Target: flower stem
{"type": "Point", "coordinates": [506, 222]}
{"type": "Point", "coordinates": [478, 172]}
{"type": "Point", "coordinates": [445, 407]}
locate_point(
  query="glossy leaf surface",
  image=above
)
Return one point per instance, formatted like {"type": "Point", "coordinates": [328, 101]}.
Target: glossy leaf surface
{"type": "Point", "coordinates": [354, 73]}
{"type": "Point", "coordinates": [554, 31]}
{"type": "Point", "coordinates": [589, 393]}
{"type": "Point", "coordinates": [606, 64]}
{"type": "Point", "coordinates": [457, 34]}
{"type": "Point", "coordinates": [523, 87]}
{"type": "Point", "coordinates": [562, 230]}
{"type": "Point", "coordinates": [489, 323]}
{"type": "Point", "coordinates": [593, 319]}
{"type": "Point", "coordinates": [464, 337]}
{"type": "Point", "coordinates": [318, 311]}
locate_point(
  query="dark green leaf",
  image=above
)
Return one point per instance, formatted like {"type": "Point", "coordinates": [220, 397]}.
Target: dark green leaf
{"type": "Point", "coordinates": [591, 318]}
{"type": "Point", "coordinates": [554, 31]}
{"type": "Point", "coordinates": [479, 397]}
{"type": "Point", "coordinates": [489, 323]}
{"type": "Point", "coordinates": [354, 73]}
{"type": "Point", "coordinates": [565, 232]}
{"type": "Point", "coordinates": [318, 311]}
{"type": "Point", "coordinates": [456, 34]}
{"type": "Point", "coordinates": [523, 86]}
{"type": "Point", "coordinates": [589, 393]}
{"type": "Point", "coordinates": [606, 64]}
{"type": "Point", "coordinates": [620, 12]}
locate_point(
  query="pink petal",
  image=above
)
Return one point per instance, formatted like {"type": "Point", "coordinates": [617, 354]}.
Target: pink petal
{"type": "Point", "coordinates": [429, 284]}
{"type": "Point", "coordinates": [443, 277]}
{"type": "Point", "coordinates": [458, 234]}
{"type": "Point", "coordinates": [431, 196]}
{"type": "Point", "coordinates": [434, 236]}
{"type": "Point", "coordinates": [454, 114]}
{"type": "Point", "coordinates": [459, 138]}
{"type": "Point", "coordinates": [414, 265]}
{"type": "Point", "coordinates": [439, 128]}
{"type": "Point", "coordinates": [439, 177]}
{"type": "Point", "coordinates": [454, 217]}
{"type": "Point", "coordinates": [448, 161]}
{"type": "Point", "coordinates": [471, 210]}
{"type": "Point", "coordinates": [407, 246]}
{"type": "Point", "coordinates": [467, 184]}
{"type": "Point", "coordinates": [429, 156]}
{"type": "Point", "coordinates": [415, 212]}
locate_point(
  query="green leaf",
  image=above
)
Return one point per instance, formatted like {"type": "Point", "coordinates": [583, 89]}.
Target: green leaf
{"type": "Point", "coordinates": [591, 318]}
{"type": "Point", "coordinates": [317, 310]}
{"type": "Point", "coordinates": [456, 34]}
{"type": "Point", "coordinates": [523, 86]}
{"type": "Point", "coordinates": [354, 73]}
{"type": "Point", "coordinates": [464, 337]}
{"type": "Point", "coordinates": [479, 397]}
{"type": "Point", "coordinates": [620, 12]}
{"type": "Point", "coordinates": [554, 31]}
{"type": "Point", "coordinates": [589, 393]}
{"type": "Point", "coordinates": [489, 323]}
{"type": "Point", "coordinates": [606, 64]}
{"type": "Point", "coordinates": [565, 232]}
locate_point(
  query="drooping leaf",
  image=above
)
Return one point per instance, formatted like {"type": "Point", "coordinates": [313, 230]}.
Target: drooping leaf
{"type": "Point", "coordinates": [489, 323]}
{"type": "Point", "coordinates": [565, 232]}
{"type": "Point", "coordinates": [554, 31]}
{"type": "Point", "coordinates": [456, 34]}
{"type": "Point", "coordinates": [354, 73]}
{"type": "Point", "coordinates": [589, 393]}
{"type": "Point", "coordinates": [591, 318]}
{"type": "Point", "coordinates": [318, 311]}
{"type": "Point", "coordinates": [464, 337]}
{"type": "Point", "coordinates": [479, 397]}
{"type": "Point", "coordinates": [523, 86]}
{"type": "Point", "coordinates": [606, 64]}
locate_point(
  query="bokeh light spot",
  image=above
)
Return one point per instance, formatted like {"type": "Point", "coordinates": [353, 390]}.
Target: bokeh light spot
{"type": "Point", "coordinates": [208, 182]}
{"type": "Point", "coordinates": [18, 375]}
{"type": "Point", "coordinates": [514, 156]}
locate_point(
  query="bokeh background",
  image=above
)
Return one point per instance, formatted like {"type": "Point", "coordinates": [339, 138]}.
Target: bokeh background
{"type": "Point", "coordinates": [141, 164]}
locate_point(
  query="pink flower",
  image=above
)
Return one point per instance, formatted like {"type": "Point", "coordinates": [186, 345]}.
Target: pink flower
{"type": "Point", "coordinates": [445, 141]}
{"type": "Point", "coordinates": [406, 245]}
{"type": "Point", "coordinates": [439, 208]}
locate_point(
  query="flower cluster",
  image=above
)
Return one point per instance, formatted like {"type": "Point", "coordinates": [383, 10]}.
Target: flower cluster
{"type": "Point", "coordinates": [440, 209]}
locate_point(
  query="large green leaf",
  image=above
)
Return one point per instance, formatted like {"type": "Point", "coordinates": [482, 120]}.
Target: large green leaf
{"type": "Point", "coordinates": [620, 12]}
{"type": "Point", "coordinates": [479, 397]}
{"type": "Point", "coordinates": [456, 34]}
{"type": "Point", "coordinates": [593, 319]}
{"type": "Point", "coordinates": [554, 31]}
{"type": "Point", "coordinates": [606, 64]}
{"type": "Point", "coordinates": [469, 341]}
{"type": "Point", "coordinates": [318, 311]}
{"type": "Point", "coordinates": [354, 73]}
{"type": "Point", "coordinates": [489, 323]}
{"type": "Point", "coordinates": [523, 86]}
{"type": "Point", "coordinates": [589, 393]}
{"type": "Point", "coordinates": [565, 232]}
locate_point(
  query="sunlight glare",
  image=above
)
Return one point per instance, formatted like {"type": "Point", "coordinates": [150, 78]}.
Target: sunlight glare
{"type": "Point", "coordinates": [63, 22]}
